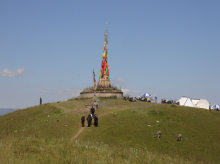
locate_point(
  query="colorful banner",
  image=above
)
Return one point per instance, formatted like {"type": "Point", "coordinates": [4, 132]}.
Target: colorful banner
{"type": "Point", "coordinates": [104, 71]}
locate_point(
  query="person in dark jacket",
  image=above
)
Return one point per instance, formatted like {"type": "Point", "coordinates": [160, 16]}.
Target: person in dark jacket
{"type": "Point", "coordinates": [89, 120]}
{"type": "Point", "coordinates": [96, 120]}
{"type": "Point", "coordinates": [83, 121]}
{"type": "Point", "coordinates": [92, 111]}
{"type": "Point", "coordinates": [40, 101]}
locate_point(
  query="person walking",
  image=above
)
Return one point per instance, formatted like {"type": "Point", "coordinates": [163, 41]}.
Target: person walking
{"type": "Point", "coordinates": [96, 120]}
{"type": "Point", "coordinates": [83, 121]}
{"type": "Point", "coordinates": [89, 120]}
{"type": "Point", "coordinates": [40, 101]}
{"type": "Point", "coordinates": [92, 111]}
{"type": "Point", "coordinates": [155, 99]}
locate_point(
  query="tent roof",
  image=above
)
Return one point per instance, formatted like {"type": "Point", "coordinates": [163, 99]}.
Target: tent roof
{"type": "Point", "coordinates": [186, 101]}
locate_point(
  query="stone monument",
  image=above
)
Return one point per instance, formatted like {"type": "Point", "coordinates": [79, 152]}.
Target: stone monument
{"type": "Point", "coordinates": [104, 80]}
{"type": "Point", "coordinates": [103, 88]}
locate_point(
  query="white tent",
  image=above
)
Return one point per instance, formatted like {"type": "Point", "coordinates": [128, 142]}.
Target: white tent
{"type": "Point", "coordinates": [186, 101]}
{"type": "Point", "coordinates": [198, 103]}
{"type": "Point", "coordinates": [195, 101]}
{"type": "Point", "coordinates": [202, 103]}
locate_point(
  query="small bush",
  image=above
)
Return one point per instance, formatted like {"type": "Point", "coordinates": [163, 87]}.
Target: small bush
{"type": "Point", "coordinates": [76, 98]}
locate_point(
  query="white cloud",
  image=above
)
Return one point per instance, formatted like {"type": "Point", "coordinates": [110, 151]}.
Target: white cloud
{"type": "Point", "coordinates": [30, 72]}
{"type": "Point", "coordinates": [42, 91]}
{"type": "Point", "coordinates": [117, 81]}
{"type": "Point", "coordinates": [12, 73]}
{"type": "Point", "coordinates": [130, 93]}
{"type": "Point", "coordinates": [135, 92]}
{"type": "Point", "coordinates": [63, 92]}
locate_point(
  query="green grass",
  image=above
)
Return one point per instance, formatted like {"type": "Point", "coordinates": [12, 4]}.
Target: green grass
{"type": "Point", "coordinates": [42, 134]}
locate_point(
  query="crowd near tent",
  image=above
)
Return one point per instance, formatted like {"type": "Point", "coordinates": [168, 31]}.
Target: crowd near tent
{"type": "Point", "coordinates": [144, 95]}
{"type": "Point", "coordinates": [147, 95]}
{"type": "Point", "coordinates": [197, 103]}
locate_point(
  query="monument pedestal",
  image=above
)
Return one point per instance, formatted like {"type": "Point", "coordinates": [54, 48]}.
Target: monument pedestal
{"type": "Point", "coordinates": [101, 94]}
{"type": "Point", "coordinates": [104, 82]}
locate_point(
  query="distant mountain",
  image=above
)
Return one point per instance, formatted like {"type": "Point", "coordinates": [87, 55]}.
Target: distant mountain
{"type": "Point", "coordinates": [6, 110]}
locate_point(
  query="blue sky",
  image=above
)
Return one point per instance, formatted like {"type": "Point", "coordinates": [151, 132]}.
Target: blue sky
{"type": "Point", "coordinates": [168, 48]}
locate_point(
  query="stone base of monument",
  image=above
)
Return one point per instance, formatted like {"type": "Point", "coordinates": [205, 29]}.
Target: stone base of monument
{"type": "Point", "coordinates": [95, 106]}
{"type": "Point", "coordinates": [101, 94]}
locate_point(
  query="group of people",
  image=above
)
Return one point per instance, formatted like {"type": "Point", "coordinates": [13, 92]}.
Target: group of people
{"type": "Point", "coordinates": [131, 99]}
{"type": "Point", "coordinates": [135, 99]}
{"type": "Point", "coordinates": [89, 118]}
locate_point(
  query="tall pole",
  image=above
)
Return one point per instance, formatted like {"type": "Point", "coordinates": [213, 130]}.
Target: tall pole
{"type": "Point", "coordinates": [95, 98]}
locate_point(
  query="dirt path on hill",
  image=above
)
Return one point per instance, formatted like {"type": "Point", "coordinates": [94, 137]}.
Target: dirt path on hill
{"type": "Point", "coordinates": [80, 131]}
{"type": "Point", "coordinates": [84, 110]}
{"type": "Point", "coordinates": [82, 128]}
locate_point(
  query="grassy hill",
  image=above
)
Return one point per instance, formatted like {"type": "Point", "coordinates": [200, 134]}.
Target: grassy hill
{"type": "Point", "coordinates": [47, 134]}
